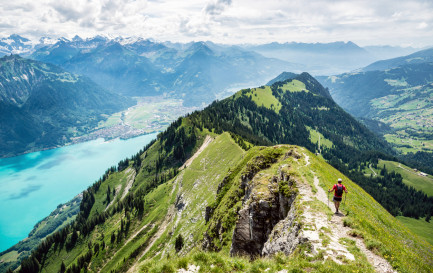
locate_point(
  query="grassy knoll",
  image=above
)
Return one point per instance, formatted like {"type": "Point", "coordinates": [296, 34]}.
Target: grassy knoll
{"type": "Point", "coordinates": [263, 96]}
{"type": "Point", "coordinates": [410, 177]}
{"type": "Point", "coordinates": [294, 86]}
{"type": "Point", "coordinates": [420, 227]}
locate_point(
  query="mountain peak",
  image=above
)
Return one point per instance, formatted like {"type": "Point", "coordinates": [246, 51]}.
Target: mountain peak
{"type": "Point", "coordinates": [77, 39]}
{"type": "Point", "coordinates": [18, 38]}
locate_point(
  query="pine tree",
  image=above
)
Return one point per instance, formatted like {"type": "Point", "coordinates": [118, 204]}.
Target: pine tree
{"type": "Point", "coordinates": [62, 267]}
{"type": "Point", "coordinates": [178, 244]}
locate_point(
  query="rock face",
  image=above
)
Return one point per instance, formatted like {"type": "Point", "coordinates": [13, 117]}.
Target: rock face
{"type": "Point", "coordinates": [265, 214]}
{"type": "Point", "coordinates": [284, 236]}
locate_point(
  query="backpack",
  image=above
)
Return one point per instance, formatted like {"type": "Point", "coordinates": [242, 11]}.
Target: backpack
{"type": "Point", "coordinates": [339, 190]}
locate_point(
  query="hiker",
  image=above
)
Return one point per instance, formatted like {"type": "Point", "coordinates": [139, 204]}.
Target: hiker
{"type": "Point", "coordinates": [338, 194]}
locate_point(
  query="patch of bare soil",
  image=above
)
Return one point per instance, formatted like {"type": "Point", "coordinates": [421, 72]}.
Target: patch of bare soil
{"type": "Point", "coordinates": [206, 142]}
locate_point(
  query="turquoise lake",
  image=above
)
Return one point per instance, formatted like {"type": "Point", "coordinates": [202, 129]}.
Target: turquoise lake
{"type": "Point", "coordinates": [32, 185]}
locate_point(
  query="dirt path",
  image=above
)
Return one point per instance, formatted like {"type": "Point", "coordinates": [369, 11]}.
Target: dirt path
{"type": "Point", "coordinates": [206, 142]}
{"type": "Point", "coordinates": [323, 235]}
{"type": "Point", "coordinates": [339, 231]}
{"type": "Point", "coordinates": [369, 166]}
{"type": "Point", "coordinates": [130, 179]}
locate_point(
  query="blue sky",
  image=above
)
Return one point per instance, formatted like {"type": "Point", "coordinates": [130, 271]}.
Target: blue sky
{"type": "Point", "coordinates": [365, 22]}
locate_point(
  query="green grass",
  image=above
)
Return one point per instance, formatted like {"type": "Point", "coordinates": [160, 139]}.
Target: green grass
{"type": "Point", "coordinates": [195, 187]}
{"type": "Point", "coordinates": [315, 135]}
{"type": "Point", "coordinates": [220, 262]}
{"type": "Point", "coordinates": [410, 178]}
{"type": "Point", "coordinates": [420, 227]}
{"type": "Point", "coordinates": [294, 86]}
{"type": "Point", "coordinates": [9, 257]}
{"type": "Point", "coordinates": [405, 144]}
{"type": "Point", "coordinates": [264, 97]}
{"type": "Point", "coordinates": [407, 110]}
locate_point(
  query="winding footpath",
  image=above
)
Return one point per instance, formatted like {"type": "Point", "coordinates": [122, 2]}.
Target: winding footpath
{"type": "Point", "coordinates": [338, 230]}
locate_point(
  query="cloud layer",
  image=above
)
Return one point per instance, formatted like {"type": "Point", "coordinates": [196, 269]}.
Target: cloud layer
{"type": "Point", "coordinates": [228, 21]}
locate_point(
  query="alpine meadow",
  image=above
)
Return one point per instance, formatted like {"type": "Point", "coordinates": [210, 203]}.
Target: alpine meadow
{"type": "Point", "coordinates": [236, 136]}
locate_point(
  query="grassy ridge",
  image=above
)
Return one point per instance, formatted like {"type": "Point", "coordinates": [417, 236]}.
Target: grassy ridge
{"type": "Point", "coordinates": [381, 231]}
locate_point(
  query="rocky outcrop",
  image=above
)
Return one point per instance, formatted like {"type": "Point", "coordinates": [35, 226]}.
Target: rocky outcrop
{"type": "Point", "coordinates": [284, 236]}
{"type": "Point", "coordinates": [266, 212]}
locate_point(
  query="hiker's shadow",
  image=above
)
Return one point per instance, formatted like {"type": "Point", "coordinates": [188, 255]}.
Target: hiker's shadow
{"type": "Point", "coordinates": [339, 214]}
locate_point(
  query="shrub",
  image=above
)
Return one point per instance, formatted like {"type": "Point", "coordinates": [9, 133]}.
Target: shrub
{"type": "Point", "coordinates": [178, 244]}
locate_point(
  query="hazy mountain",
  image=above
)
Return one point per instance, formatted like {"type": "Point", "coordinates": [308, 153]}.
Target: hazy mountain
{"type": "Point", "coordinates": [234, 203]}
{"type": "Point", "coordinates": [42, 105]}
{"type": "Point", "coordinates": [423, 56]}
{"type": "Point", "coordinates": [15, 44]}
{"type": "Point", "coordinates": [196, 72]}
{"type": "Point", "coordinates": [119, 70]}
{"type": "Point", "coordinates": [318, 58]}
{"type": "Point", "coordinates": [282, 77]}
{"type": "Point", "coordinates": [388, 52]}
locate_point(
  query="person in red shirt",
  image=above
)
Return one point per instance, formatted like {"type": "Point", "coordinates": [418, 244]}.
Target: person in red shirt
{"type": "Point", "coordinates": [338, 194]}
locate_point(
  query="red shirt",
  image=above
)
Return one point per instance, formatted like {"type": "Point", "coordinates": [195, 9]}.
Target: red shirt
{"type": "Point", "coordinates": [335, 190]}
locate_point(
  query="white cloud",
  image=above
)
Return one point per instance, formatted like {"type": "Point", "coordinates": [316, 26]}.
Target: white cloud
{"type": "Point", "coordinates": [229, 21]}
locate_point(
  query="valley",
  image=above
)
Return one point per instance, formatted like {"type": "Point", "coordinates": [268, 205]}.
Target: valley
{"type": "Point", "coordinates": [149, 115]}
{"type": "Point", "coordinates": [414, 178]}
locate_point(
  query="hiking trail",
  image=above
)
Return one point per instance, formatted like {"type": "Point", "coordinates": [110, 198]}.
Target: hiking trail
{"type": "Point", "coordinates": [334, 229]}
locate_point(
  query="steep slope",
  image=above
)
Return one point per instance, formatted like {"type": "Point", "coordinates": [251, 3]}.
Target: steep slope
{"type": "Point", "coordinates": [43, 106]}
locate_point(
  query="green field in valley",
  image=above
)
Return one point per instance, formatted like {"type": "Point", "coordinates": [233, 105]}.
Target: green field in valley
{"type": "Point", "coordinates": [410, 177]}
{"type": "Point", "coordinates": [420, 227]}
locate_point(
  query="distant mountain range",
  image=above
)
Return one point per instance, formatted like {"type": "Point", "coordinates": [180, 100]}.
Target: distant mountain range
{"type": "Point", "coordinates": [328, 58]}
{"type": "Point", "coordinates": [43, 106]}
{"type": "Point", "coordinates": [423, 56]}
{"type": "Point", "coordinates": [164, 67]}
{"type": "Point", "coordinates": [198, 72]}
